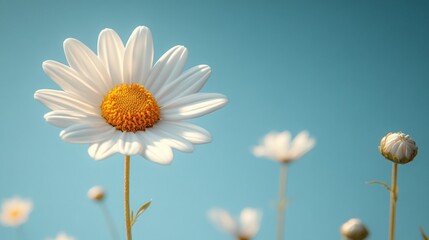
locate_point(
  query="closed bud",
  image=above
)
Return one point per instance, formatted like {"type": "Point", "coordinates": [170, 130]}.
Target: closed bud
{"type": "Point", "coordinates": [398, 147]}
{"type": "Point", "coordinates": [354, 229]}
{"type": "Point", "coordinates": [96, 193]}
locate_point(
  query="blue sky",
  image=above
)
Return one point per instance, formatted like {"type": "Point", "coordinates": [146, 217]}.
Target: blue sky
{"type": "Point", "coordinates": [347, 71]}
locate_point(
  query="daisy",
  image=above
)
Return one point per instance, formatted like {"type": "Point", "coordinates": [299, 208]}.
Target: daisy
{"type": "Point", "coordinates": [15, 211]}
{"type": "Point", "coordinates": [280, 147]}
{"type": "Point", "coordinates": [244, 228]}
{"type": "Point", "coordinates": [62, 236]}
{"type": "Point", "coordinates": [118, 101]}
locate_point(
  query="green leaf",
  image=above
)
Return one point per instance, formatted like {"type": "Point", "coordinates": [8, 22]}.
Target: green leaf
{"type": "Point", "coordinates": [381, 183]}
{"type": "Point", "coordinates": [140, 212]}
{"type": "Point", "coordinates": [425, 237]}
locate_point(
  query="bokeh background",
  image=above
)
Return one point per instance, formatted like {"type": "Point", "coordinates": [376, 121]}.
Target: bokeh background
{"type": "Point", "coordinates": [347, 71]}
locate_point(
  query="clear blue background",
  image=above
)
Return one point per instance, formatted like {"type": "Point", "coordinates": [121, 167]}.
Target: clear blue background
{"type": "Point", "coordinates": [347, 71]}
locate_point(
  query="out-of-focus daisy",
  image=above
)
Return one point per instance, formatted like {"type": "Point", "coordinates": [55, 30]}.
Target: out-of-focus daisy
{"type": "Point", "coordinates": [279, 146]}
{"type": "Point", "coordinates": [354, 229]}
{"type": "Point", "coordinates": [243, 228]}
{"type": "Point", "coordinates": [96, 193]}
{"type": "Point", "coordinates": [118, 101]}
{"type": "Point", "coordinates": [62, 236]}
{"type": "Point", "coordinates": [398, 147]}
{"type": "Point", "coordinates": [15, 211]}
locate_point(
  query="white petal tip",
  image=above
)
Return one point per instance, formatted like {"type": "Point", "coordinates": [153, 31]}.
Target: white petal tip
{"type": "Point", "coordinates": [141, 29]}
{"type": "Point", "coordinates": [69, 41]}
{"type": "Point", "coordinates": [106, 30]}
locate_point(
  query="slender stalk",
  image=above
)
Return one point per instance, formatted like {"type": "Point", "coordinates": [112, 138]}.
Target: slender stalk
{"type": "Point", "coordinates": [127, 197]}
{"type": "Point", "coordinates": [282, 201]}
{"type": "Point", "coordinates": [109, 221]}
{"type": "Point", "coordinates": [393, 198]}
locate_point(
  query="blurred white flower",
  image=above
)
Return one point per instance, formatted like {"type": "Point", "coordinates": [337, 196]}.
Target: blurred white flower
{"type": "Point", "coordinates": [398, 147]}
{"type": "Point", "coordinates": [15, 211]}
{"type": "Point", "coordinates": [244, 228]}
{"type": "Point", "coordinates": [279, 146]}
{"type": "Point", "coordinates": [62, 236]}
{"type": "Point", "coordinates": [118, 101]}
{"type": "Point", "coordinates": [96, 193]}
{"type": "Point", "coordinates": [354, 229]}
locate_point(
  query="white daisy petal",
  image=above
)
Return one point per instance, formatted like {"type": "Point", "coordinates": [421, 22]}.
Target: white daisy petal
{"type": "Point", "coordinates": [138, 57]}
{"type": "Point", "coordinates": [172, 140]}
{"type": "Point", "coordinates": [91, 132]}
{"type": "Point", "coordinates": [155, 150]}
{"type": "Point", "coordinates": [192, 106]}
{"type": "Point", "coordinates": [58, 100]}
{"type": "Point", "coordinates": [129, 144]}
{"type": "Point", "coordinates": [223, 221]}
{"type": "Point", "coordinates": [189, 82]}
{"type": "Point", "coordinates": [168, 68]}
{"type": "Point", "coordinates": [250, 220]}
{"type": "Point", "coordinates": [188, 131]}
{"type": "Point", "coordinates": [282, 145]}
{"type": "Point", "coordinates": [104, 149]}
{"type": "Point", "coordinates": [301, 144]}
{"type": "Point", "coordinates": [70, 81]}
{"type": "Point", "coordinates": [111, 52]}
{"type": "Point", "coordinates": [259, 151]}
{"type": "Point", "coordinates": [66, 118]}
{"type": "Point", "coordinates": [86, 63]}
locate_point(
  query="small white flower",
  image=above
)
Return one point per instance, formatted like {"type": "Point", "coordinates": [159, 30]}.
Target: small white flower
{"type": "Point", "coordinates": [96, 193]}
{"type": "Point", "coordinates": [354, 229]}
{"type": "Point", "coordinates": [246, 227]}
{"type": "Point", "coordinates": [398, 147]}
{"type": "Point", "coordinates": [280, 147]}
{"type": "Point", "coordinates": [15, 211]}
{"type": "Point", "coordinates": [118, 101]}
{"type": "Point", "coordinates": [62, 236]}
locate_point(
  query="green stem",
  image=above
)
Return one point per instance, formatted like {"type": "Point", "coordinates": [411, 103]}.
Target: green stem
{"type": "Point", "coordinates": [393, 198]}
{"type": "Point", "coordinates": [127, 197]}
{"type": "Point", "coordinates": [282, 201]}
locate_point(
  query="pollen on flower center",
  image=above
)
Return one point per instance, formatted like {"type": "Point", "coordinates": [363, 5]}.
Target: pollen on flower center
{"type": "Point", "coordinates": [15, 213]}
{"type": "Point", "coordinates": [130, 108]}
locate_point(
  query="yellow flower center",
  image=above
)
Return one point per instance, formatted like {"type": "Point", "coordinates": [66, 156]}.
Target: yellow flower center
{"type": "Point", "coordinates": [15, 213]}
{"type": "Point", "coordinates": [130, 108]}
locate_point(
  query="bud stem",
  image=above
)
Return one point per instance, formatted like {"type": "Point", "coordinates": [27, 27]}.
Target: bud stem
{"type": "Point", "coordinates": [282, 201]}
{"type": "Point", "coordinates": [393, 198]}
{"type": "Point", "coordinates": [127, 197]}
{"type": "Point", "coordinates": [109, 221]}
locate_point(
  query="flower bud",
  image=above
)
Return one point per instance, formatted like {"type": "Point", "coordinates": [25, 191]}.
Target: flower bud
{"type": "Point", "coordinates": [354, 229]}
{"type": "Point", "coordinates": [398, 147]}
{"type": "Point", "coordinates": [96, 193]}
